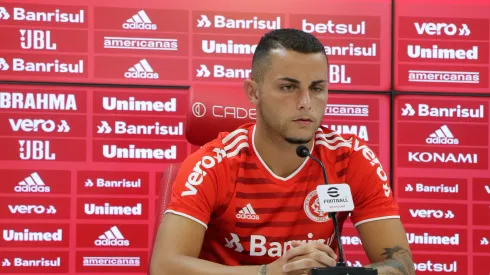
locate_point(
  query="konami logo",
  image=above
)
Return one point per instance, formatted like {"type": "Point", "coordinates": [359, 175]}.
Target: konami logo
{"type": "Point", "coordinates": [112, 237]}
{"type": "Point", "coordinates": [242, 21]}
{"type": "Point", "coordinates": [436, 157]}
{"type": "Point", "coordinates": [11, 235]}
{"type": "Point", "coordinates": [112, 210]}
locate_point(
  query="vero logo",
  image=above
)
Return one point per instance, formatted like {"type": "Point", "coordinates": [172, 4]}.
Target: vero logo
{"type": "Point", "coordinates": [437, 214]}
{"type": "Point", "coordinates": [438, 29]}
{"type": "Point", "coordinates": [112, 238]}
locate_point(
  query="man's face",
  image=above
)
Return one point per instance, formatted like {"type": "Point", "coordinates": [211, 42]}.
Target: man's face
{"type": "Point", "coordinates": [293, 94]}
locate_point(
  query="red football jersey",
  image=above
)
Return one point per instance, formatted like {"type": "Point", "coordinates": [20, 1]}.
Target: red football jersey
{"type": "Point", "coordinates": [251, 214]}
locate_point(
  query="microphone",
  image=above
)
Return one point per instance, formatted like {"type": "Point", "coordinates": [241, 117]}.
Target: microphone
{"type": "Point", "coordinates": [328, 196]}
{"type": "Point", "coordinates": [302, 151]}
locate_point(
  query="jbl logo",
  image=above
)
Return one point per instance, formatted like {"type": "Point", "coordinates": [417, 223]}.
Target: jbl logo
{"type": "Point", "coordinates": [35, 150]}
{"type": "Point", "coordinates": [338, 75]}
{"type": "Point", "coordinates": [36, 40]}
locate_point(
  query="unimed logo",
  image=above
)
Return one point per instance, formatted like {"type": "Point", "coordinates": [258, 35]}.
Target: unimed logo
{"type": "Point", "coordinates": [11, 235]}
{"type": "Point", "coordinates": [112, 210]}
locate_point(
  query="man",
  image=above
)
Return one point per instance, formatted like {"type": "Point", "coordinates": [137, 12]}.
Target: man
{"type": "Point", "coordinates": [240, 201]}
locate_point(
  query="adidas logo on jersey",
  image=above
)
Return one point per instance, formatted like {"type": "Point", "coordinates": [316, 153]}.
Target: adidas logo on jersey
{"type": "Point", "coordinates": [32, 184]}
{"type": "Point", "coordinates": [141, 70]}
{"type": "Point", "coordinates": [247, 213]}
{"type": "Point", "coordinates": [139, 21]}
{"type": "Point", "coordinates": [112, 237]}
{"type": "Point", "coordinates": [442, 136]}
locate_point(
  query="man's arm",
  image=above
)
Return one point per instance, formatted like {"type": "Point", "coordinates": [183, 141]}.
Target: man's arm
{"type": "Point", "coordinates": [390, 254]}
{"type": "Point", "coordinates": [177, 247]}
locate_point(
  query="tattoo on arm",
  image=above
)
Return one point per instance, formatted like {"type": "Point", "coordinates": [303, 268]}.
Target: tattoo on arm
{"type": "Point", "coordinates": [398, 262]}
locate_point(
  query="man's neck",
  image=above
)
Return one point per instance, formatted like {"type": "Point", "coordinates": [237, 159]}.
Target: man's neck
{"type": "Point", "coordinates": [278, 154]}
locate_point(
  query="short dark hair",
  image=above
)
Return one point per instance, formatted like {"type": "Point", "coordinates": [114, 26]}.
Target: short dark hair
{"type": "Point", "coordinates": [289, 39]}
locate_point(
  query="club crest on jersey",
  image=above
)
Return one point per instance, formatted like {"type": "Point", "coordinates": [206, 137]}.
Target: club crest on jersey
{"type": "Point", "coordinates": [312, 208]}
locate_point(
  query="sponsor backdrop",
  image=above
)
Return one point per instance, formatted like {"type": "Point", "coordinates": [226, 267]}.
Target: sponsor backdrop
{"type": "Point", "coordinates": [81, 164]}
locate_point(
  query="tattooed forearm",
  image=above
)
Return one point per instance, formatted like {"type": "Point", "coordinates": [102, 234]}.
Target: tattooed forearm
{"type": "Point", "coordinates": [398, 262]}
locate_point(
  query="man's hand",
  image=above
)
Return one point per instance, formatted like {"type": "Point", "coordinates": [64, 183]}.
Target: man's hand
{"type": "Point", "coordinates": [302, 257]}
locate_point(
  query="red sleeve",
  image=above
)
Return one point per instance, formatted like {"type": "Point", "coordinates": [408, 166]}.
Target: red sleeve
{"type": "Point", "coordinates": [371, 191]}
{"type": "Point", "coordinates": [196, 191]}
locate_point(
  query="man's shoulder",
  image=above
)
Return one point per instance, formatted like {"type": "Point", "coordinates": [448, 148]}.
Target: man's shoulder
{"type": "Point", "coordinates": [226, 148]}
{"type": "Point", "coordinates": [336, 146]}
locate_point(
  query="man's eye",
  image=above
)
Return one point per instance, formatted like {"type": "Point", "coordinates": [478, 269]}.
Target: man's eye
{"type": "Point", "coordinates": [287, 87]}
{"type": "Point", "coordinates": [318, 89]}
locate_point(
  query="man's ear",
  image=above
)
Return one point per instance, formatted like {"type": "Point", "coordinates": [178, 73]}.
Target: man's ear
{"type": "Point", "coordinates": [252, 90]}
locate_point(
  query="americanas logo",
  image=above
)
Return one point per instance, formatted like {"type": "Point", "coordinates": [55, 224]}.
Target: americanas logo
{"type": "Point", "coordinates": [329, 25]}
{"type": "Point", "coordinates": [239, 23]}
{"type": "Point", "coordinates": [115, 209]}
{"type": "Point", "coordinates": [443, 28]}
{"type": "Point", "coordinates": [40, 14]}
{"type": "Point", "coordinates": [438, 239]}
{"type": "Point", "coordinates": [432, 109]}
{"type": "Point", "coordinates": [34, 235]}
{"type": "Point", "coordinates": [112, 235]}
{"type": "Point", "coordinates": [424, 213]}
{"type": "Point", "coordinates": [432, 188]}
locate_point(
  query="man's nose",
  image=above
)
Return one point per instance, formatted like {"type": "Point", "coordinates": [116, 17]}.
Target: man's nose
{"type": "Point", "coordinates": [304, 99]}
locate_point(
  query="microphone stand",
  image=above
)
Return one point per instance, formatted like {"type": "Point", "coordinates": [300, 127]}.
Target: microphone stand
{"type": "Point", "coordinates": [341, 268]}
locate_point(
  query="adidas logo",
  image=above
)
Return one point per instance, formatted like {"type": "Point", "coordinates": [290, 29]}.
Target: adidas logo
{"type": "Point", "coordinates": [32, 184]}
{"type": "Point", "coordinates": [141, 70]}
{"type": "Point", "coordinates": [247, 213]}
{"type": "Point", "coordinates": [139, 21]}
{"type": "Point", "coordinates": [112, 237]}
{"type": "Point", "coordinates": [442, 136]}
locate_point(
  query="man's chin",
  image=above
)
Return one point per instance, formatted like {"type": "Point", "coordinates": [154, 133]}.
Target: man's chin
{"type": "Point", "coordinates": [296, 140]}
